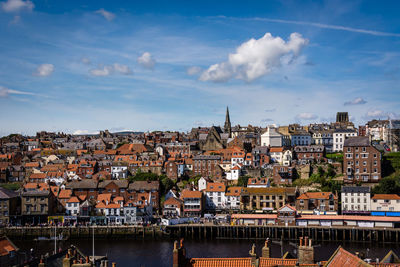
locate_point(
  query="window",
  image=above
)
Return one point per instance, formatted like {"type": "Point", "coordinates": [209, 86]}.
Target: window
{"type": "Point", "coordinates": [364, 149]}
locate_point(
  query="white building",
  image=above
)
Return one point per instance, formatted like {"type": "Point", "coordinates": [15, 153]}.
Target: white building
{"type": "Point", "coordinates": [234, 173]}
{"type": "Point", "coordinates": [356, 199]}
{"type": "Point", "coordinates": [202, 183]}
{"type": "Point", "coordinates": [72, 206]}
{"type": "Point", "coordinates": [378, 130]}
{"type": "Point", "coordinates": [119, 172]}
{"type": "Point", "coordinates": [233, 197]}
{"type": "Point", "coordinates": [325, 138]}
{"type": "Point", "coordinates": [385, 202]}
{"type": "Point", "coordinates": [237, 159]}
{"type": "Point", "coordinates": [215, 196]}
{"type": "Point", "coordinates": [271, 137]}
{"type": "Point", "coordinates": [130, 213]}
{"type": "Point", "coordinates": [287, 158]}
{"type": "Point", "coordinates": [276, 154]}
{"type": "Point", "coordinates": [339, 136]}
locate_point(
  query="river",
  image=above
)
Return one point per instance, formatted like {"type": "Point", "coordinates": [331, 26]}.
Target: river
{"type": "Point", "coordinates": [155, 253]}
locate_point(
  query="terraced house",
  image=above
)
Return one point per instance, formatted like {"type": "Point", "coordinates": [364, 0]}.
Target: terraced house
{"type": "Point", "coordinates": [267, 198]}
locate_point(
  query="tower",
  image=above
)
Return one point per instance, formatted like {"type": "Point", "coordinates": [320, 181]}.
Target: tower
{"type": "Point", "coordinates": [227, 126]}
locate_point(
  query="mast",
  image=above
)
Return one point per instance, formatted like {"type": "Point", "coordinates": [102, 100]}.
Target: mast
{"type": "Point", "coordinates": [55, 238]}
{"type": "Point", "coordinates": [93, 245]}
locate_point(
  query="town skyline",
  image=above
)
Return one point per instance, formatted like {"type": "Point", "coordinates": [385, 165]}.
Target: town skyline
{"type": "Point", "coordinates": [120, 66]}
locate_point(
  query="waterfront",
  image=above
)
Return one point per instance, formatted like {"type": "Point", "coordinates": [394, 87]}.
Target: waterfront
{"type": "Point", "coordinates": [152, 253]}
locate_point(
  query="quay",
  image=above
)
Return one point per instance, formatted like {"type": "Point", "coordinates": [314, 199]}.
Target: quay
{"type": "Point", "coordinates": [203, 231]}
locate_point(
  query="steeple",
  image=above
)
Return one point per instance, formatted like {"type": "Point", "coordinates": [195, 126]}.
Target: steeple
{"type": "Point", "coordinates": [227, 126]}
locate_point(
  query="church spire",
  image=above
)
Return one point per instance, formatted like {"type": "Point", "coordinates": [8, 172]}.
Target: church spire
{"type": "Point", "coordinates": [227, 126]}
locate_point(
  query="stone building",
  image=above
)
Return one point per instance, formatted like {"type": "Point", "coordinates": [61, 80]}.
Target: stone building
{"type": "Point", "coordinates": [9, 202]}
{"type": "Point", "coordinates": [267, 198]}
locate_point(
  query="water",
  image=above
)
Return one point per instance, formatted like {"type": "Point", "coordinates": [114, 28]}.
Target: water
{"type": "Point", "coordinates": [149, 253]}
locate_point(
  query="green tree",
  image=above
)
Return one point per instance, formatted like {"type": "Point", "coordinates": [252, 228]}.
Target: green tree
{"type": "Point", "coordinates": [242, 181]}
{"type": "Point", "coordinates": [387, 186]}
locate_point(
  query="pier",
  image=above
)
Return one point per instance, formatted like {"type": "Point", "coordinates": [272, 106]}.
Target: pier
{"type": "Point", "coordinates": [200, 231]}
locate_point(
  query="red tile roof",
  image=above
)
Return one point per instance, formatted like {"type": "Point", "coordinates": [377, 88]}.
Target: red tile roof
{"type": "Point", "coordinates": [233, 191]}
{"type": "Point", "coordinates": [276, 149]}
{"type": "Point", "coordinates": [190, 194]}
{"type": "Point", "coordinates": [73, 200]}
{"type": "Point", "coordinates": [223, 262]}
{"type": "Point", "coordinates": [65, 193]}
{"type": "Point", "coordinates": [6, 246]}
{"type": "Point", "coordinates": [386, 196]}
{"type": "Point", "coordinates": [264, 262]}
{"type": "Point", "coordinates": [316, 195]}
{"type": "Point", "coordinates": [216, 187]}
{"type": "Point", "coordinates": [342, 257]}
{"type": "Point", "coordinates": [37, 176]}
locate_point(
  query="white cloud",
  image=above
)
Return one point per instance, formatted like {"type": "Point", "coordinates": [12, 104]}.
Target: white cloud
{"type": "Point", "coordinates": [306, 116]}
{"type": "Point", "coordinates": [81, 132]}
{"type": "Point", "coordinates": [193, 70]}
{"type": "Point", "coordinates": [375, 113]}
{"type": "Point", "coordinates": [266, 120]}
{"type": "Point", "coordinates": [123, 69]}
{"type": "Point", "coordinates": [146, 60]}
{"type": "Point", "coordinates": [105, 71]}
{"type": "Point", "coordinates": [16, 19]}
{"type": "Point", "coordinates": [44, 70]}
{"type": "Point", "coordinates": [332, 27]}
{"type": "Point", "coordinates": [86, 61]}
{"type": "Point", "coordinates": [106, 14]}
{"type": "Point", "coordinates": [256, 58]}
{"type": "Point", "coordinates": [356, 101]}
{"type": "Point", "coordinates": [109, 69]}
{"type": "Point", "coordinates": [5, 92]}
{"type": "Point", "coordinates": [17, 5]}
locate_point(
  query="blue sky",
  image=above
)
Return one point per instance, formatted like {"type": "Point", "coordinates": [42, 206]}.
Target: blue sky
{"type": "Point", "coordinates": [82, 66]}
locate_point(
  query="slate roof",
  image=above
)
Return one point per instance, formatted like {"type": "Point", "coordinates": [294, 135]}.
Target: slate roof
{"type": "Point", "coordinates": [119, 183]}
{"type": "Point", "coordinates": [6, 194]}
{"type": "Point", "coordinates": [357, 141]}
{"type": "Point", "coordinates": [356, 189]}
{"type": "Point", "coordinates": [85, 183]}
{"type": "Point", "coordinates": [144, 185]}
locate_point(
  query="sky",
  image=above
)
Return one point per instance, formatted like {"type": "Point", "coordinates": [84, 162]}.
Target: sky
{"type": "Point", "coordinates": [84, 66]}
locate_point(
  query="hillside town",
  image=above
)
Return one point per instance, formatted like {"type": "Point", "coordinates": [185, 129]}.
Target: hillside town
{"type": "Point", "coordinates": [243, 174]}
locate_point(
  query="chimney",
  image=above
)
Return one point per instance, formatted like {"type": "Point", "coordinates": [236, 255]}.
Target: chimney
{"type": "Point", "coordinates": [266, 250]}
{"type": "Point", "coordinates": [306, 251]}
{"type": "Point", "coordinates": [41, 263]}
{"type": "Point", "coordinates": [178, 254]}
{"type": "Point", "coordinates": [67, 259]}
{"type": "Point", "coordinates": [253, 254]}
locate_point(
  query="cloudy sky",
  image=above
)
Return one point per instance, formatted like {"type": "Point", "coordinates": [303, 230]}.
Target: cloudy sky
{"type": "Point", "coordinates": [82, 66]}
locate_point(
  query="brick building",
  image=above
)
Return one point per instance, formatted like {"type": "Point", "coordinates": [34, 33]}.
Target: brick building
{"type": "Point", "coordinates": [311, 153]}
{"type": "Point", "coordinates": [322, 201]}
{"type": "Point", "coordinates": [361, 161]}
{"type": "Point", "coordinates": [282, 174]}
{"type": "Point", "coordinates": [207, 166]}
